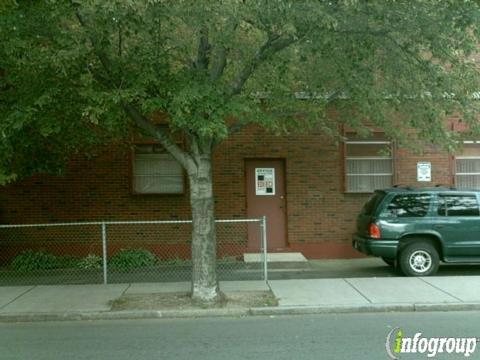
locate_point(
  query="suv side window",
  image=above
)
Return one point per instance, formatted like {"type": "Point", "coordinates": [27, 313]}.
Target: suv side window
{"type": "Point", "coordinates": [409, 205]}
{"type": "Point", "coordinates": [458, 205]}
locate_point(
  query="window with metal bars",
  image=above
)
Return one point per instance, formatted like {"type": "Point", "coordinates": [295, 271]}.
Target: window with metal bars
{"type": "Point", "coordinates": [467, 166]}
{"type": "Point", "coordinates": [155, 171]}
{"type": "Point", "coordinates": [368, 164]}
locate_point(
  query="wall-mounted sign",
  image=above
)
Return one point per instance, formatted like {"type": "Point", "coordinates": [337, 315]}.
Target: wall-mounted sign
{"type": "Point", "coordinates": [264, 181]}
{"type": "Point", "coordinates": [424, 171]}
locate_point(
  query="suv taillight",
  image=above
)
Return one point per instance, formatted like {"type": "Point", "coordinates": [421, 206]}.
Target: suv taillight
{"type": "Point", "coordinates": [374, 231]}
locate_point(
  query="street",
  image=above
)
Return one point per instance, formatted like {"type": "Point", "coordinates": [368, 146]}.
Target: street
{"type": "Point", "coordinates": [341, 336]}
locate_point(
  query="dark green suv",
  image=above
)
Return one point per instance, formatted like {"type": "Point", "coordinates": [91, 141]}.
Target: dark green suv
{"type": "Point", "coordinates": [418, 228]}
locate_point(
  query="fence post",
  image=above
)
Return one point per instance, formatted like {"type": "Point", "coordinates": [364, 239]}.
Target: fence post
{"type": "Point", "coordinates": [264, 247]}
{"type": "Point", "coordinates": [104, 247]}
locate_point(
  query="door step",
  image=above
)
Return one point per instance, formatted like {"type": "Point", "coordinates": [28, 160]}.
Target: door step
{"type": "Point", "coordinates": [274, 257]}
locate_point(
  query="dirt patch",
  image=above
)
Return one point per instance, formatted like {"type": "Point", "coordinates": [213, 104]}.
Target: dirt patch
{"type": "Point", "coordinates": [179, 301]}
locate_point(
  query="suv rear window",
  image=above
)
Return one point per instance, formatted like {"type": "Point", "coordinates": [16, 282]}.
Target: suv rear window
{"type": "Point", "coordinates": [372, 203]}
{"type": "Point", "coordinates": [409, 205]}
{"type": "Point", "coordinates": [458, 205]}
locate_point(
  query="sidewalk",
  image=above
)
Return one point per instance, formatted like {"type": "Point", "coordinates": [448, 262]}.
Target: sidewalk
{"type": "Point", "coordinates": [72, 302]}
{"type": "Point", "coordinates": [376, 294]}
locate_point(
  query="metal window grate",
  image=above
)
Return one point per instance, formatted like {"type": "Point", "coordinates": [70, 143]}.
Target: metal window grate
{"type": "Point", "coordinates": [467, 172]}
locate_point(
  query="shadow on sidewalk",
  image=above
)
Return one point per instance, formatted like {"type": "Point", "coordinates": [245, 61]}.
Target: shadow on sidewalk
{"type": "Point", "coordinates": [355, 268]}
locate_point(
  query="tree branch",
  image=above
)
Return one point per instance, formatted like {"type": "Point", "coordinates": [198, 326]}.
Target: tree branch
{"type": "Point", "coordinates": [220, 63]}
{"type": "Point", "coordinates": [104, 60]}
{"type": "Point", "coordinates": [120, 45]}
{"type": "Point", "coordinates": [273, 45]}
{"type": "Point", "coordinates": [203, 52]}
{"type": "Point", "coordinates": [193, 146]}
{"type": "Point", "coordinates": [217, 69]}
{"type": "Point", "coordinates": [140, 120]}
{"type": "Point", "coordinates": [379, 33]}
{"type": "Point", "coordinates": [165, 140]}
{"type": "Point", "coordinates": [410, 55]}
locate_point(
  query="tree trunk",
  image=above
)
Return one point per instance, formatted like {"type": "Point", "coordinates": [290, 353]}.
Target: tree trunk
{"type": "Point", "coordinates": [205, 288]}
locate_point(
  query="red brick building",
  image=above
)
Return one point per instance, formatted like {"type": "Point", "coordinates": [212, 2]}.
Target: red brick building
{"type": "Point", "coordinates": [311, 197]}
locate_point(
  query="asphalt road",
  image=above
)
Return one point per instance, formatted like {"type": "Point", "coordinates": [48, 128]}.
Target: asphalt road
{"type": "Point", "coordinates": [346, 336]}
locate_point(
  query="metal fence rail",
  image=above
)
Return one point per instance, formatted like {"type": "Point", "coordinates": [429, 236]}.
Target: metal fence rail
{"type": "Point", "coordinates": [124, 251]}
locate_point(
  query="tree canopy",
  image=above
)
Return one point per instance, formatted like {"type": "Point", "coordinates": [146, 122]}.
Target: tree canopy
{"type": "Point", "coordinates": [77, 73]}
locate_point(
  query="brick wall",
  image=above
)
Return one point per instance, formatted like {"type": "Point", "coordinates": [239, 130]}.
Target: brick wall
{"type": "Point", "coordinates": [320, 216]}
{"type": "Point", "coordinates": [406, 167]}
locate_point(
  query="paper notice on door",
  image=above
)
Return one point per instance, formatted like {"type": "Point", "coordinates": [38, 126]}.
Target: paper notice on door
{"type": "Point", "coordinates": [264, 181]}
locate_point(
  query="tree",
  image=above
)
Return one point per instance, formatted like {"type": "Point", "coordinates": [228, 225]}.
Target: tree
{"type": "Point", "coordinates": [77, 73]}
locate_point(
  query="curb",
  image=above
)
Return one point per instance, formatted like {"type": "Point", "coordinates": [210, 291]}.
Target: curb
{"type": "Point", "coordinates": [372, 308]}
{"type": "Point", "coordinates": [123, 315]}
{"type": "Point", "coordinates": [237, 312]}
{"type": "Point", "coordinates": [448, 307]}
{"type": "Point", "coordinates": [331, 309]}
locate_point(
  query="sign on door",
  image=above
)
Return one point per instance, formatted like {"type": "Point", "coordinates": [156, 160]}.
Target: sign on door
{"type": "Point", "coordinates": [264, 181]}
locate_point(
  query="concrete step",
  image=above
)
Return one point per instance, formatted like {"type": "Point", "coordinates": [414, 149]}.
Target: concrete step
{"type": "Point", "coordinates": [275, 257]}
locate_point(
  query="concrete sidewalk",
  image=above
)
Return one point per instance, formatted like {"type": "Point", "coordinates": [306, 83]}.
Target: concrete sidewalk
{"type": "Point", "coordinates": [68, 302]}
{"type": "Point", "coordinates": [377, 294]}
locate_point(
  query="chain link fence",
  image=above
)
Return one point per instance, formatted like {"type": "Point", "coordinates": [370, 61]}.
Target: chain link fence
{"type": "Point", "coordinates": [124, 252]}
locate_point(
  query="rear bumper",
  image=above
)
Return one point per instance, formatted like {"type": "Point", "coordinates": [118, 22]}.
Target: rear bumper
{"type": "Point", "coordinates": [381, 248]}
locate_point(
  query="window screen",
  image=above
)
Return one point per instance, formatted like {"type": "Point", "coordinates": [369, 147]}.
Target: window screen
{"type": "Point", "coordinates": [369, 164]}
{"type": "Point", "coordinates": [467, 167]}
{"type": "Point", "coordinates": [156, 172]}
{"type": "Point", "coordinates": [458, 205]}
{"type": "Point", "coordinates": [409, 205]}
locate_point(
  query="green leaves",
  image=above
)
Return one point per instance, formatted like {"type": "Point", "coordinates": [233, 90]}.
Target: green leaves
{"type": "Point", "coordinates": [128, 259]}
{"type": "Point", "coordinates": [199, 109]}
{"type": "Point", "coordinates": [67, 70]}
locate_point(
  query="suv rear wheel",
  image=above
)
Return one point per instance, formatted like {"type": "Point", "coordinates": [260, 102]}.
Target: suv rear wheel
{"type": "Point", "coordinates": [419, 258]}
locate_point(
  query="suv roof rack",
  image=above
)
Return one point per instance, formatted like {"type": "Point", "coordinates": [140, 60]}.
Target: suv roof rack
{"type": "Point", "coordinates": [399, 186]}
{"type": "Point", "coordinates": [451, 187]}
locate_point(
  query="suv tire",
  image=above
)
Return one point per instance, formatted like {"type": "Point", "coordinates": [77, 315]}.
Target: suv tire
{"type": "Point", "coordinates": [419, 258]}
